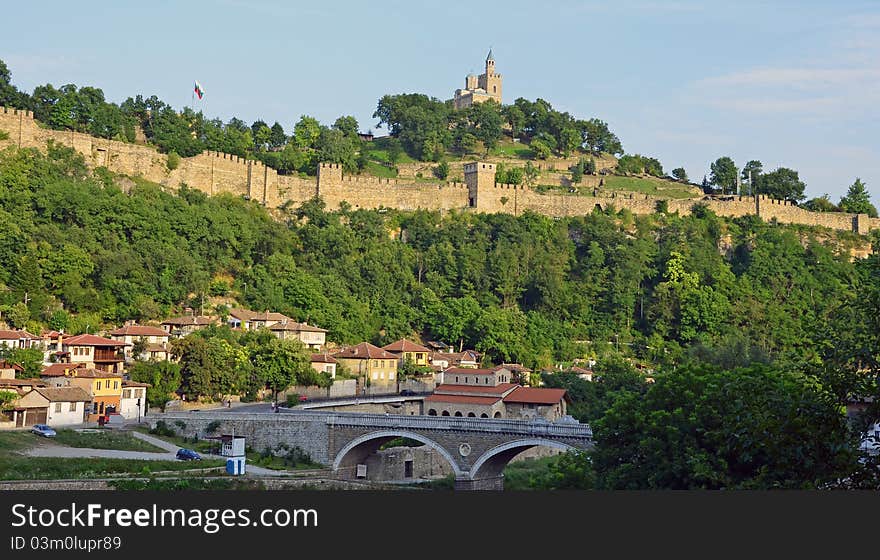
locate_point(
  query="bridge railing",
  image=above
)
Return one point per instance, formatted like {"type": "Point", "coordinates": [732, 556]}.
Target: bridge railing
{"type": "Point", "coordinates": [456, 423]}
{"type": "Point", "coordinates": [402, 422]}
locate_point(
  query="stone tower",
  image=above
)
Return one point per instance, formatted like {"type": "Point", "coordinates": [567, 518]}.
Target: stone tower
{"type": "Point", "coordinates": [478, 175]}
{"type": "Point", "coordinates": [478, 89]}
{"type": "Point", "coordinates": [490, 82]}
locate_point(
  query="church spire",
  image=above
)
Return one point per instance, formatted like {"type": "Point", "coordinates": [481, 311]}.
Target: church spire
{"type": "Point", "coordinates": [490, 57]}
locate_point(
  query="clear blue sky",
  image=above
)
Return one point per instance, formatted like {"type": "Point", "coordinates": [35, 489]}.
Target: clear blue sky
{"type": "Point", "coordinates": [794, 84]}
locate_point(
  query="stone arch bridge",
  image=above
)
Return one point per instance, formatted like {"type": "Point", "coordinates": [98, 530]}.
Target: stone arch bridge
{"type": "Point", "coordinates": [476, 449]}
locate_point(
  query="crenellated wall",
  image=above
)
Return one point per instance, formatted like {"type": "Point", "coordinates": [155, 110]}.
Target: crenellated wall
{"type": "Point", "coordinates": [217, 172]}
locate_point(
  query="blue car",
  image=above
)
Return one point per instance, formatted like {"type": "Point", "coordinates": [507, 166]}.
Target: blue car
{"type": "Point", "coordinates": [188, 455]}
{"type": "Point", "coordinates": [43, 430]}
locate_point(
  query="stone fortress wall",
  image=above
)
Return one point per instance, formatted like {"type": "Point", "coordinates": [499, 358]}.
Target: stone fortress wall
{"type": "Point", "coordinates": [217, 172]}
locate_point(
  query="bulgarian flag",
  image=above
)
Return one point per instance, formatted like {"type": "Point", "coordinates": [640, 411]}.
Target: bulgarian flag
{"type": "Point", "coordinates": [200, 91]}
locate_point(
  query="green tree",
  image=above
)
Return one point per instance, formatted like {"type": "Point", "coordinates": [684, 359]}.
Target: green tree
{"type": "Point", "coordinates": [680, 174]}
{"type": "Point", "coordinates": [164, 378]}
{"type": "Point", "coordinates": [18, 315]}
{"type": "Point", "coordinates": [857, 200]}
{"type": "Point", "coordinates": [783, 184]}
{"type": "Point", "coordinates": [702, 427]}
{"type": "Point", "coordinates": [723, 174]}
{"type": "Point", "coordinates": [441, 171]}
{"type": "Point", "coordinates": [306, 132]}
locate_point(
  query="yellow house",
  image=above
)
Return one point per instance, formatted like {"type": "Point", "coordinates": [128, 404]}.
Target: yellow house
{"type": "Point", "coordinates": [377, 366]}
{"type": "Point", "coordinates": [409, 351]}
{"type": "Point", "coordinates": [104, 388]}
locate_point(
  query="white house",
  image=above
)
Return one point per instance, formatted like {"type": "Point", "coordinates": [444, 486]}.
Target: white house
{"type": "Point", "coordinates": [65, 406]}
{"type": "Point", "coordinates": [154, 338]}
{"type": "Point", "coordinates": [133, 403]}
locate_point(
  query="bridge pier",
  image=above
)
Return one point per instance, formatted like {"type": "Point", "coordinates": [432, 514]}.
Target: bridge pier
{"type": "Point", "coordinates": [488, 483]}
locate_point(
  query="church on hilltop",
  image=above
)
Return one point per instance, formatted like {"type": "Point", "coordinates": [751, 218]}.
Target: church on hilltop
{"type": "Point", "coordinates": [478, 89]}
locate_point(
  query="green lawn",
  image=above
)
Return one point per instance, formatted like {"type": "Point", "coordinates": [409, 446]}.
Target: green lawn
{"type": "Point", "coordinates": [379, 170]}
{"type": "Point", "coordinates": [21, 467]}
{"type": "Point", "coordinates": [508, 148]}
{"type": "Point", "coordinates": [378, 150]}
{"type": "Point", "coordinates": [104, 439]}
{"type": "Point", "coordinates": [289, 459]}
{"type": "Point", "coordinates": [647, 185]}
{"type": "Point", "coordinates": [519, 475]}
{"type": "Point", "coordinates": [13, 441]}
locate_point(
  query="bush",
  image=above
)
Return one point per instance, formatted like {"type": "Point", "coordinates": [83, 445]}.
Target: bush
{"type": "Point", "coordinates": [162, 429]}
{"type": "Point", "coordinates": [173, 161]}
{"type": "Point", "coordinates": [212, 427]}
{"type": "Point", "coordinates": [442, 170]}
{"type": "Point", "coordinates": [180, 424]}
{"type": "Point", "coordinates": [292, 399]}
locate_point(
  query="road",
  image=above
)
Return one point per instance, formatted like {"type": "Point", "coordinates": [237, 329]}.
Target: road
{"type": "Point", "coordinates": [53, 450]}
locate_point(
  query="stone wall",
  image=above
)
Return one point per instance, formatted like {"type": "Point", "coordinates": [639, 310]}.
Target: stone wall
{"type": "Point", "coordinates": [216, 172]}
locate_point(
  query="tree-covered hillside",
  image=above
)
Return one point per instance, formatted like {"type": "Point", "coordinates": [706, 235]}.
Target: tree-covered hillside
{"type": "Point", "coordinates": [77, 252]}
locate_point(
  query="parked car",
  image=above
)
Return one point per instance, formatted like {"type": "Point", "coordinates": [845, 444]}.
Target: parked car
{"type": "Point", "coordinates": [407, 393]}
{"type": "Point", "coordinates": [188, 455]}
{"type": "Point", "coordinates": [303, 398]}
{"type": "Point", "coordinates": [113, 420]}
{"type": "Point", "coordinates": [43, 430]}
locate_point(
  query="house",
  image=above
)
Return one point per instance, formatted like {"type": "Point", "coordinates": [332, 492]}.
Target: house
{"type": "Point", "coordinates": [181, 326]}
{"type": "Point", "coordinates": [324, 363]}
{"type": "Point", "coordinates": [489, 393]}
{"type": "Point", "coordinates": [366, 136]}
{"type": "Point", "coordinates": [54, 406]}
{"type": "Point", "coordinates": [313, 337]}
{"type": "Point", "coordinates": [95, 351]}
{"type": "Point", "coordinates": [583, 373]}
{"type": "Point", "coordinates": [15, 339]}
{"type": "Point", "coordinates": [411, 352]}
{"type": "Point", "coordinates": [11, 414]}
{"type": "Point", "coordinates": [484, 377]}
{"type": "Point", "coordinates": [153, 338]}
{"type": "Point", "coordinates": [528, 403]}
{"type": "Point", "coordinates": [133, 401]}
{"type": "Point", "coordinates": [465, 359]}
{"type": "Point", "coordinates": [9, 370]}
{"type": "Point", "coordinates": [104, 388]}
{"type": "Point", "coordinates": [248, 320]}
{"type": "Point", "coordinates": [377, 366]}
{"type": "Point", "coordinates": [521, 374]}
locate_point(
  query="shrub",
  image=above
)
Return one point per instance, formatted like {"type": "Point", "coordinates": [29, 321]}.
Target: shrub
{"type": "Point", "coordinates": [180, 424]}
{"type": "Point", "coordinates": [173, 161]}
{"type": "Point", "coordinates": [212, 427]}
{"type": "Point", "coordinates": [442, 170]}
{"type": "Point", "coordinates": [292, 399]}
{"type": "Point", "coordinates": [162, 429]}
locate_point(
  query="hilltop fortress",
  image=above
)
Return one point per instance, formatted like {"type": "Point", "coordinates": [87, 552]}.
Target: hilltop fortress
{"type": "Point", "coordinates": [215, 172]}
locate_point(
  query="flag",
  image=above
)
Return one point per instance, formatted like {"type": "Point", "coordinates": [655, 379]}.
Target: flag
{"type": "Point", "coordinates": [200, 91]}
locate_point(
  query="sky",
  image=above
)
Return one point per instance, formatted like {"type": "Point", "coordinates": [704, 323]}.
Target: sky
{"type": "Point", "coordinates": [790, 83]}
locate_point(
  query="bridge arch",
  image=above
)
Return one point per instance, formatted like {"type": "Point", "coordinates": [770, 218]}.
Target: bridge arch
{"type": "Point", "coordinates": [492, 462]}
{"type": "Point", "coordinates": [368, 444]}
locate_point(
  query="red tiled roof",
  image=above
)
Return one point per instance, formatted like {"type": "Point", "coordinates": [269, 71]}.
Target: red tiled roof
{"type": "Point", "coordinates": [324, 358]}
{"type": "Point", "coordinates": [403, 345]}
{"type": "Point", "coordinates": [139, 330]}
{"type": "Point", "coordinates": [64, 394]}
{"type": "Point", "coordinates": [95, 374]}
{"type": "Point", "coordinates": [534, 395]}
{"type": "Point", "coordinates": [8, 365]}
{"type": "Point", "coordinates": [491, 389]}
{"type": "Point", "coordinates": [248, 315]}
{"type": "Point", "coordinates": [58, 370]}
{"type": "Point", "coordinates": [461, 399]}
{"type": "Point", "coordinates": [135, 384]}
{"type": "Point", "coordinates": [296, 327]}
{"type": "Point", "coordinates": [90, 340]}
{"type": "Point", "coordinates": [189, 320]}
{"type": "Point", "coordinates": [472, 371]}
{"type": "Point", "coordinates": [21, 382]}
{"type": "Point", "coordinates": [365, 351]}
{"type": "Point", "coordinates": [16, 335]}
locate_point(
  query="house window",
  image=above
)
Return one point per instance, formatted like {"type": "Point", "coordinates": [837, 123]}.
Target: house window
{"type": "Point", "coordinates": [456, 379]}
{"type": "Point", "coordinates": [72, 407]}
{"type": "Point", "coordinates": [116, 384]}
{"type": "Point", "coordinates": [58, 407]}
{"type": "Point", "coordinates": [126, 393]}
{"type": "Point", "coordinates": [391, 375]}
{"type": "Point", "coordinates": [375, 375]}
{"type": "Point", "coordinates": [107, 384]}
